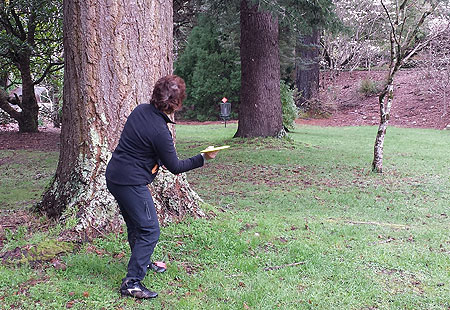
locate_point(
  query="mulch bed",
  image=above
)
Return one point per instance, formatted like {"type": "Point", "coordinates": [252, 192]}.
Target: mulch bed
{"type": "Point", "coordinates": [47, 139]}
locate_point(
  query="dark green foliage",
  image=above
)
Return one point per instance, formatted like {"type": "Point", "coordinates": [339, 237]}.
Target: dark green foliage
{"type": "Point", "coordinates": [31, 29]}
{"type": "Point", "coordinates": [287, 55]}
{"type": "Point", "coordinates": [30, 49]}
{"type": "Point", "coordinates": [303, 15]}
{"type": "Point", "coordinates": [211, 69]}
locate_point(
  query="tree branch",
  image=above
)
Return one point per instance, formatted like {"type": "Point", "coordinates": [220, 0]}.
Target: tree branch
{"type": "Point", "coordinates": [403, 4]}
{"type": "Point", "coordinates": [5, 106]}
{"type": "Point", "coordinates": [31, 29]}
{"type": "Point", "coordinates": [49, 70]}
{"type": "Point", "coordinates": [8, 26]}
{"type": "Point", "coordinates": [16, 101]}
{"type": "Point", "coordinates": [23, 35]}
{"type": "Point", "coordinates": [403, 22]}
{"type": "Point", "coordinates": [422, 45]}
{"type": "Point", "coordinates": [418, 25]}
{"type": "Point", "coordinates": [390, 22]}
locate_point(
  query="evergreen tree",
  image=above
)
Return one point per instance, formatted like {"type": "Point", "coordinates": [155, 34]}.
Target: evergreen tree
{"type": "Point", "coordinates": [211, 69]}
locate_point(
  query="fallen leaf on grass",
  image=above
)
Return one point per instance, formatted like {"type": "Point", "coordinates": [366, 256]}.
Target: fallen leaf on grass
{"type": "Point", "coordinates": [247, 226]}
{"type": "Point", "coordinates": [92, 249]}
{"type": "Point", "coordinates": [119, 255]}
{"type": "Point", "coordinates": [59, 265]}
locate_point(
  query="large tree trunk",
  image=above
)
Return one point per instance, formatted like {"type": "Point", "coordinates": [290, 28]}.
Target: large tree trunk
{"type": "Point", "coordinates": [260, 107]}
{"type": "Point", "coordinates": [114, 53]}
{"type": "Point", "coordinates": [28, 120]}
{"type": "Point", "coordinates": [307, 65]}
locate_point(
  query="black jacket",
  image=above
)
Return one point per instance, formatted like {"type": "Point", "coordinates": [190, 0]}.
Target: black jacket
{"type": "Point", "coordinates": [145, 142]}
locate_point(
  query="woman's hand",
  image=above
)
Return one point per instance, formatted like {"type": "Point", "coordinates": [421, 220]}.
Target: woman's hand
{"type": "Point", "coordinates": [210, 155]}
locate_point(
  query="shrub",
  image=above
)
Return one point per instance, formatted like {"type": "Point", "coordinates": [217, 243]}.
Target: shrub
{"type": "Point", "coordinates": [290, 111]}
{"type": "Point", "coordinates": [368, 87]}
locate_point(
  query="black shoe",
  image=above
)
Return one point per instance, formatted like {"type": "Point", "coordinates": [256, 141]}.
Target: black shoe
{"type": "Point", "coordinates": [157, 267]}
{"type": "Point", "coordinates": [136, 289]}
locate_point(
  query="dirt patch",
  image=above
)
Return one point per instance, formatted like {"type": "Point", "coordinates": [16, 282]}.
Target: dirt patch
{"type": "Point", "coordinates": [47, 139]}
{"type": "Point", "coordinates": [414, 105]}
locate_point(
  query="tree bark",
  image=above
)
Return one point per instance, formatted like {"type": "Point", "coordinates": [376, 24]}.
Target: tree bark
{"type": "Point", "coordinates": [3, 80]}
{"type": "Point", "coordinates": [114, 53]}
{"type": "Point", "coordinates": [260, 107]}
{"type": "Point", "coordinates": [307, 66]}
{"type": "Point", "coordinates": [385, 101]}
{"type": "Point", "coordinates": [28, 120]}
{"type": "Point", "coordinates": [27, 117]}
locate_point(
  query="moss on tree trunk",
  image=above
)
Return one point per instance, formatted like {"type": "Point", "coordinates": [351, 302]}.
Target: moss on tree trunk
{"type": "Point", "coordinates": [114, 53]}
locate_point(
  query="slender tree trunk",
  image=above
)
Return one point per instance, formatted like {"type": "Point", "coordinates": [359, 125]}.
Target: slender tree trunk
{"type": "Point", "coordinates": [307, 65]}
{"type": "Point", "coordinates": [385, 101]}
{"type": "Point", "coordinates": [260, 108]}
{"type": "Point", "coordinates": [114, 53]}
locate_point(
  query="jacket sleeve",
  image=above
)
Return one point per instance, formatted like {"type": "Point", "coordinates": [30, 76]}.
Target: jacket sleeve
{"type": "Point", "coordinates": [163, 144]}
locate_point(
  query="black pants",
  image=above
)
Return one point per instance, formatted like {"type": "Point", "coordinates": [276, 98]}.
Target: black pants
{"type": "Point", "coordinates": [138, 211]}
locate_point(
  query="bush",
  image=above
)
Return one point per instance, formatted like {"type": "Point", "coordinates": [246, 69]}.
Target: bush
{"type": "Point", "coordinates": [290, 110]}
{"type": "Point", "coordinates": [210, 67]}
{"type": "Point", "coordinates": [368, 88]}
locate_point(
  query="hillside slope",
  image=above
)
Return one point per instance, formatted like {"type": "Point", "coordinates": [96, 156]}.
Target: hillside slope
{"type": "Point", "coordinates": [415, 105]}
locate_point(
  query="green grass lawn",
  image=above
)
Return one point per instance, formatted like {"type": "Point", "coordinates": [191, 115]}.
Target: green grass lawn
{"type": "Point", "coordinates": [298, 223]}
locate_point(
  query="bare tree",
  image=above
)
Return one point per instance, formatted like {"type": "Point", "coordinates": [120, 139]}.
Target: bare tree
{"type": "Point", "coordinates": [358, 45]}
{"type": "Point", "coordinates": [405, 20]}
{"type": "Point", "coordinates": [436, 69]}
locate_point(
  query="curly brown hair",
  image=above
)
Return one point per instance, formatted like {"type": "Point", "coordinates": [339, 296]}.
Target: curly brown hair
{"type": "Point", "coordinates": [169, 93]}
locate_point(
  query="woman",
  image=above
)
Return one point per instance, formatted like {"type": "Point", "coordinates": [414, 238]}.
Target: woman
{"type": "Point", "coordinates": [145, 144]}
